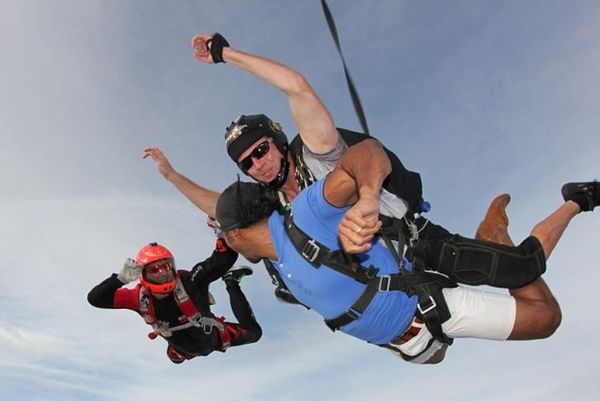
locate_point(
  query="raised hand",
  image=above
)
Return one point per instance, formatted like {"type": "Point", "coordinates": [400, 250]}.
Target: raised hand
{"type": "Point", "coordinates": [130, 272]}
{"type": "Point", "coordinates": [164, 167]}
{"type": "Point", "coordinates": [359, 225]}
{"type": "Point", "coordinates": [201, 45]}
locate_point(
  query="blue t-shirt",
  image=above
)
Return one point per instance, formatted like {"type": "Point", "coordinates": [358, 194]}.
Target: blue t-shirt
{"type": "Point", "coordinates": [328, 292]}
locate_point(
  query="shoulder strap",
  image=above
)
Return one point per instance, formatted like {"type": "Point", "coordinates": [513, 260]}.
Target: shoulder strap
{"type": "Point", "coordinates": [318, 254]}
{"type": "Point", "coordinates": [190, 311]}
{"type": "Point", "coordinates": [304, 177]}
{"type": "Point", "coordinates": [146, 307]}
{"type": "Point", "coordinates": [184, 302]}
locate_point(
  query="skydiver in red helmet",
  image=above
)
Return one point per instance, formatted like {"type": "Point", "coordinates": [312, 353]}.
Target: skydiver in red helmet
{"type": "Point", "coordinates": [176, 303]}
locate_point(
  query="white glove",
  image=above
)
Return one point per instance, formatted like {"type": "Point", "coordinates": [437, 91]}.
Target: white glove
{"type": "Point", "coordinates": [130, 271]}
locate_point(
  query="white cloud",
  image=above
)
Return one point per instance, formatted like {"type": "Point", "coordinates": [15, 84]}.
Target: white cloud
{"type": "Point", "coordinates": [479, 100]}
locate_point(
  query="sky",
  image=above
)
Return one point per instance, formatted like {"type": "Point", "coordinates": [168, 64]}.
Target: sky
{"type": "Point", "coordinates": [480, 97]}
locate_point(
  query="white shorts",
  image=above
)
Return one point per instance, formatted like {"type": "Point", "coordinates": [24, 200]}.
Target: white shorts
{"type": "Point", "coordinates": [473, 313]}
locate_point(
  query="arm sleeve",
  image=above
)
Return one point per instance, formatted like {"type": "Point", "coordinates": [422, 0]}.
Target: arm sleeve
{"type": "Point", "coordinates": [109, 295]}
{"type": "Point", "coordinates": [211, 269]}
{"type": "Point", "coordinates": [321, 165]}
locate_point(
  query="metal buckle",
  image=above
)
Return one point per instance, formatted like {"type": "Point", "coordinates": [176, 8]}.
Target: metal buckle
{"type": "Point", "coordinates": [310, 250]}
{"type": "Point", "coordinates": [387, 280]}
{"type": "Point", "coordinates": [354, 314]}
{"type": "Point", "coordinates": [429, 308]}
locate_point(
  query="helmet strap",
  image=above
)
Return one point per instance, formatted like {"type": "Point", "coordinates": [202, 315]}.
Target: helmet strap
{"type": "Point", "coordinates": [282, 175]}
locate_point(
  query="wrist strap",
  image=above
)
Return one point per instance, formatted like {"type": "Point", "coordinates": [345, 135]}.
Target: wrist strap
{"type": "Point", "coordinates": [216, 48]}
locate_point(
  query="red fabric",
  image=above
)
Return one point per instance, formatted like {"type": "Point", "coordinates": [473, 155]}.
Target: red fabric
{"type": "Point", "coordinates": [221, 246]}
{"type": "Point", "coordinates": [127, 298]}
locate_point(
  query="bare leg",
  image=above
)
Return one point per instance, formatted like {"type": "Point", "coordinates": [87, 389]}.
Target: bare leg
{"type": "Point", "coordinates": [538, 312]}
{"type": "Point", "coordinates": [549, 230]}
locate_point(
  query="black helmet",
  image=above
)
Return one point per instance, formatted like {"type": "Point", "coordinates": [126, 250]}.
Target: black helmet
{"type": "Point", "coordinates": [246, 130]}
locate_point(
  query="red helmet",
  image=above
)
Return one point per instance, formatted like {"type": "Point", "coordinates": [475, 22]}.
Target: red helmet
{"type": "Point", "coordinates": [155, 256]}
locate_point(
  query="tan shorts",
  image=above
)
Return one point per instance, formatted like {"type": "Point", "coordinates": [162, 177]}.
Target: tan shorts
{"type": "Point", "coordinates": [474, 313]}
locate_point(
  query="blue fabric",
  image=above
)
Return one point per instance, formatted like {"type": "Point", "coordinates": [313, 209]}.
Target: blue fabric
{"type": "Point", "coordinates": [328, 292]}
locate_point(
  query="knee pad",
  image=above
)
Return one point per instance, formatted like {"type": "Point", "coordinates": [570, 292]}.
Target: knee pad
{"type": "Point", "coordinates": [476, 262]}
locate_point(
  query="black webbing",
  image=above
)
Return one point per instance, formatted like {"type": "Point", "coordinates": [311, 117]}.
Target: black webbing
{"type": "Point", "coordinates": [426, 285]}
{"type": "Point", "coordinates": [318, 254]}
{"type": "Point", "coordinates": [353, 94]}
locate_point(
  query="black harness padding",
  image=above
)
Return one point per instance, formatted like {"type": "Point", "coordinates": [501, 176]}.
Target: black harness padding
{"type": "Point", "coordinates": [427, 285]}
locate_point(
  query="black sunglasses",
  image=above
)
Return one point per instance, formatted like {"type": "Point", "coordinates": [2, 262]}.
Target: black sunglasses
{"type": "Point", "coordinates": [258, 153]}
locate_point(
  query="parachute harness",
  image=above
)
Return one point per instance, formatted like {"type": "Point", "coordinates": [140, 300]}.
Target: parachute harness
{"type": "Point", "coordinates": [193, 317]}
{"type": "Point", "coordinates": [425, 284]}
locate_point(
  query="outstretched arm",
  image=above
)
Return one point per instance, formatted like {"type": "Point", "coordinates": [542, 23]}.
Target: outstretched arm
{"type": "Point", "coordinates": [357, 180]}
{"type": "Point", "coordinates": [109, 294]}
{"type": "Point", "coordinates": [217, 264]}
{"type": "Point", "coordinates": [311, 117]}
{"type": "Point", "coordinates": [204, 199]}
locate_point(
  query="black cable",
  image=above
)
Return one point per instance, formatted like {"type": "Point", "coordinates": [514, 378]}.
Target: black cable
{"type": "Point", "coordinates": [353, 94]}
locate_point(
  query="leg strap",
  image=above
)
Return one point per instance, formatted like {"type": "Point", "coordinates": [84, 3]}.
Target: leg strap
{"type": "Point", "coordinates": [474, 262]}
{"type": "Point", "coordinates": [426, 285]}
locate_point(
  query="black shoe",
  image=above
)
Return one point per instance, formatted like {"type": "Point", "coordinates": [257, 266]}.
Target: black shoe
{"type": "Point", "coordinates": [585, 194]}
{"type": "Point", "coordinates": [284, 295]}
{"type": "Point", "coordinates": [236, 273]}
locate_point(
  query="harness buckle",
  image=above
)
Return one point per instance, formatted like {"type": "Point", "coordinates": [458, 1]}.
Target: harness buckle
{"type": "Point", "coordinates": [354, 314]}
{"type": "Point", "coordinates": [428, 308]}
{"type": "Point", "coordinates": [311, 250]}
{"type": "Point", "coordinates": [384, 283]}
{"type": "Point", "coordinates": [413, 231]}
{"type": "Point", "coordinates": [371, 272]}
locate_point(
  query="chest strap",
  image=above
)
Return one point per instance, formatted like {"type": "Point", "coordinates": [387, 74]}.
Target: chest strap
{"type": "Point", "coordinates": [193, 318]}
{"type": "Point", "coordinates": [318, 254]}
{"type": "Point", "coordinates": [425, 284]}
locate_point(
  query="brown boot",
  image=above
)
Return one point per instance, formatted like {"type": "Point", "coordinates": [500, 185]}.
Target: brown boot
{"type": "Point", "coordinates": [494, 226]}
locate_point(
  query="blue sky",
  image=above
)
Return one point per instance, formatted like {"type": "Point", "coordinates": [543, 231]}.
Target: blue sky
{"type": "Point", "coordinates": [480, 97]}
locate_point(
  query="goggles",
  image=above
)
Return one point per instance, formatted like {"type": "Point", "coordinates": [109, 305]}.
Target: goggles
{"type": "Point", "coordinates": [159, 267]}
{"type": "Point", "coordinates": [257, 153]}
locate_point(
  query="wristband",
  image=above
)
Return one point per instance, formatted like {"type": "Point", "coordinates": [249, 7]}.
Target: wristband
{"type": "Point", "coordinates": [218, 42]}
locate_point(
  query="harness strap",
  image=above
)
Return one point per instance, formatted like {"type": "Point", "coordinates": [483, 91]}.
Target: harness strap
{"type": "Point", "coordinates": [318, 254]}
{"type": "Point", "coordinates": [304, 177]}
{"type": "Point", "coordinates": [184, 302]}
{"type": "Point", "coordinates": [358, 307]}
{"type": "Point", "coordinates": [186, 306]}
{"type": "Point", "coordinates": [146, 307]}
{"type": "Point", "coordinates": [432, 305]}
{"type": "Point", "coordinates": [427, 285]}
{"type": "Point", "coordinates": [224, 334]}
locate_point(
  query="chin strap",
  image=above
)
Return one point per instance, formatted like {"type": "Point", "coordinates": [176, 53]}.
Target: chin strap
{"type": "Point", "coordinates": [282, 175]}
